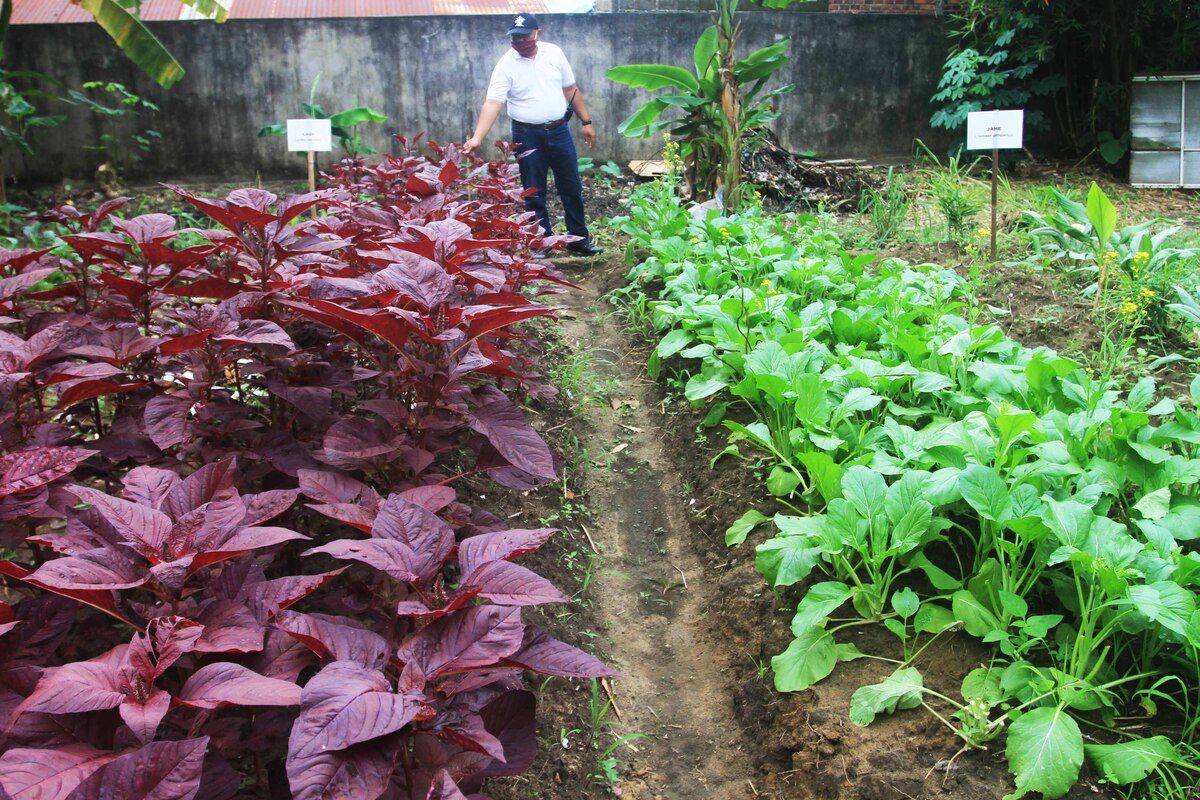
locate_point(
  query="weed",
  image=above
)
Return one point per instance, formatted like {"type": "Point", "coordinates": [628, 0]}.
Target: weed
{"type": "Point", "coordinates": [887, 208]}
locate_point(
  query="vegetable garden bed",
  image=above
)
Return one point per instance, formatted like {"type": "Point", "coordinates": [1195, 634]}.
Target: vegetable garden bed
{"type": "Point", "coordinates": [940, 477]}
{"type": "Point", "coordinates": [236, 562]}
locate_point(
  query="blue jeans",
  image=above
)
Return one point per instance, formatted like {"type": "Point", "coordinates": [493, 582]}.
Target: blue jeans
{"type": "Point", "coordinates": [552, 149]}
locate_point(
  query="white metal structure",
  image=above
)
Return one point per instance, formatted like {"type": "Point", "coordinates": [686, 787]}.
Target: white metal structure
{"type": "Point", "coordinates": [1164, 118]}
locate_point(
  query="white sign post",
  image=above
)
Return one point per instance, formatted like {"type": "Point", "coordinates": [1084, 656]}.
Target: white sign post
{"type": "Point", "coordinates": [995, 131]}
{"type": "Point", "coordinates": [310, 136]}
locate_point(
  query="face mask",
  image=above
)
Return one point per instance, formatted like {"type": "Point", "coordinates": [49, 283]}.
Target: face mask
{"type": "Point", "coordinates": [526, 49]}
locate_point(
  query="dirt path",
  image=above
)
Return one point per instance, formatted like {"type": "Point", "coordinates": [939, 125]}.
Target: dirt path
{"type": "Point", "coordinates": [651, 589]}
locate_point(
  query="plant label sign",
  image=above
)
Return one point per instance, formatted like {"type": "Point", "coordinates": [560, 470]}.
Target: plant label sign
{"type": "Point", "coordinates": [995, 130]}
{"type": "Point", "coordinates": [309, 135]}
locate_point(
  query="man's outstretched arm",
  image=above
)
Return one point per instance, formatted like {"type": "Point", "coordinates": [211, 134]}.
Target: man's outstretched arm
{"type": "Point", "coordinates": [487, 118]}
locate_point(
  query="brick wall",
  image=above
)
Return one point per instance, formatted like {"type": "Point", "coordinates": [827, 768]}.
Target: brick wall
{"type": "Point", "coordinates": [889, 6]}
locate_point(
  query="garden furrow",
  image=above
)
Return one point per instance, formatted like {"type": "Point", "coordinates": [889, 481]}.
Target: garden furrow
{"type": "Point", "coordinates": [651, 589]}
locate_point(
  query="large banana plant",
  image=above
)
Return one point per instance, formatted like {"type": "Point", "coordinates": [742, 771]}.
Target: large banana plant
{"type": "Point", "coordinates": [138, 43]}
{"type": "Point", "coordinates": [723, 106]}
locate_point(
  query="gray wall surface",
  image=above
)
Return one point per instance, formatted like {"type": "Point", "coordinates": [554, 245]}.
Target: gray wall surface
{"type": "Point", "coordinates": [863, 82]}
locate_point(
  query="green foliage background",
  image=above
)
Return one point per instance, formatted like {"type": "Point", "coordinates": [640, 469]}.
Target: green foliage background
{"type": "Point", "coordinates": [1070, 61]}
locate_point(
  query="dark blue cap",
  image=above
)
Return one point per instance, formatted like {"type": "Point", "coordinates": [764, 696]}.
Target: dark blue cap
{"type": "Point", "coordinates": [523, 24]}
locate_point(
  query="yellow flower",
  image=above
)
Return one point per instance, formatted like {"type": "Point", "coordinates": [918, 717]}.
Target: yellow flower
{"type": "Point", "coordinates": [984, 233]}
{"type": "Point", "coordinates": [1110, 256]}
{"type": "Point", "coordinates": [1128, 308]}
{"type": "Point", "coordinates": [766, 282]}
{"type": "Point", "coordinates": [1141, 256]}
{"type": "Point", "coordinates": [1148, 293]}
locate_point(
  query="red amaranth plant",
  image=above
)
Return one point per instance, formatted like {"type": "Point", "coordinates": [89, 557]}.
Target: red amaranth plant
{"type": "Point", "coordinates": [167, 396]}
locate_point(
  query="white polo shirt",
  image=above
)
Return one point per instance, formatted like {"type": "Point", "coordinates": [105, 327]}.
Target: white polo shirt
{"type": "Point", "coordinates": [532, 86]}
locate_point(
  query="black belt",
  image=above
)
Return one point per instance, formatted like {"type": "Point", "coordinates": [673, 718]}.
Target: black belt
{"type": "Point", "coordinates": [542, 126]}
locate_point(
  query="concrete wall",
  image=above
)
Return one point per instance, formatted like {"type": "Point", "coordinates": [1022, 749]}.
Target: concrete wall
{"type": "Point", "coordinates": [863, 81]}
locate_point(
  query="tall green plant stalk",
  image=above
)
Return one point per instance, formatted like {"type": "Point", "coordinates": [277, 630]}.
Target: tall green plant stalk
{"type": "Point", "coordinates": [728, 30]}
{"type": "Point", "coordinates": [725, 108]}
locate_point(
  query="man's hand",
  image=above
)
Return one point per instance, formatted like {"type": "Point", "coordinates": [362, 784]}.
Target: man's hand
{"type": "Point", "coordinates": [589, 135]}
{"type": "Point", "coordinates": [471, 144]}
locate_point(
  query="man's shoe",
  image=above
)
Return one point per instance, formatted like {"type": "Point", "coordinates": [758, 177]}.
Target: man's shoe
{"type": "Point", "coordinates": [585, 248]}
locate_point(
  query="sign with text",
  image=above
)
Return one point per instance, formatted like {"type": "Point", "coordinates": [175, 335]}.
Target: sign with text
{"type": "Point", "coordinates": [995, 130]}
{"type": "Point", "coordinates": [312, 135]}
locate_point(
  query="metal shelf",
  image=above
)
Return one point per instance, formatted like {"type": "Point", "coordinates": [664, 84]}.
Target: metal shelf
{"type": "Point", "coordinates": [1165, 131]}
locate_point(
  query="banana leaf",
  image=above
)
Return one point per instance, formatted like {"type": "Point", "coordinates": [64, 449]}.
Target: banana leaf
{"type": "Point", "coordinates": [213, 9]}
{"type": "Point", "coordinates": [706, 53]}
{"type": "Point", "coordinates": [655, 76]}
{"type": "Point", "coordinates": [136, 41]}
{"type": "Point", "coordinates": [356, 116]}
{"type": "Point", "coordinates": [643, 122]}
{"type": "Point", "coordinates": [761, 63]}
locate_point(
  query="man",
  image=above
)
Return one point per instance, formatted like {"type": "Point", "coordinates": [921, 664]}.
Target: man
{"type": "Point", "coordinates": [538, 84]}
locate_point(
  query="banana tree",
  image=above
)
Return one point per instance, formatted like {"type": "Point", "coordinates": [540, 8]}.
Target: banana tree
{"type": "Point", "coordinates": [137, 42]}
{"type": "Point", "coordinates": [724, 105]}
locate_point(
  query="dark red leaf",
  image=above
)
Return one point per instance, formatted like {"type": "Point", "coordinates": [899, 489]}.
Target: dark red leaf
{"type": "Point", "coordinates": [387, 324]}
{"type": "Point", "coordinates": [156, 771]}
{"type": "Point", "coordinates": [508, 584]}
{"type": "Point", "coordinates": [475, 551]}
{"type": "Point", "coordinates": [149, 486]}
{"type": "Point", "coordinates": [430, 498]}
{"type": "Point", "coordinates": [511, 719]}
{"type": "Point", "coordinates": [426, 534]}
{"type": "Point", "coordinates": [541, 653]}
{"type": "Point", "coordinates": [86, 390]}
{"type": "Point", "coordinates": [395, 559]}
{"type": "Point", "coordinates": [95, 569]}
{"type": "Point", "coordinates": [28, 469]}
{"type": "Point", "coordinates": [355, 516]}
{"type": "Point", "coordinates": [506, 428]}
{"type": "Point", "coordinates": [181, 344]}
{"type": "Point", "coordinates": [480, 636]}
{"type": "Point", "coordinates": [243, 541]}
{"type": "Point", "coordinates": [336, 637]}
{"type": "Point", "coordinates": [212, 483]}
{"type": "Point", "coordinates": [362, 772]}
{"type": "Point", "coordinates": [334, 487]}
{"type": "Point", "coordinates": [270, 597]}
{"type": "Point", "coordinates": [444, 788]}
{"type": "Point", "coordinates": [345, 704]}
{"type": "Point", "coordinates": [166, 417]}
{"type": "Point", "coordinates": [258, 332]}
{"type": "Point", "coordinates": [91, 685]}
{"type": "Point", "coordinates": [52, 774]}
{"type": "Point", "coordinates": [224, 682]}
{"type": "Point", "coordinates": [230, 627]}
{"type": "Point", "coordinates": [146, 529]}
{"type": "Point", "coordinates": [19, 283]}
{"type": "Point", "coordinates": [144, 718]}
{"type": "Point", "coordinates": [101, 599]}
{"type": "Point", "coordinates": [265, 506]}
